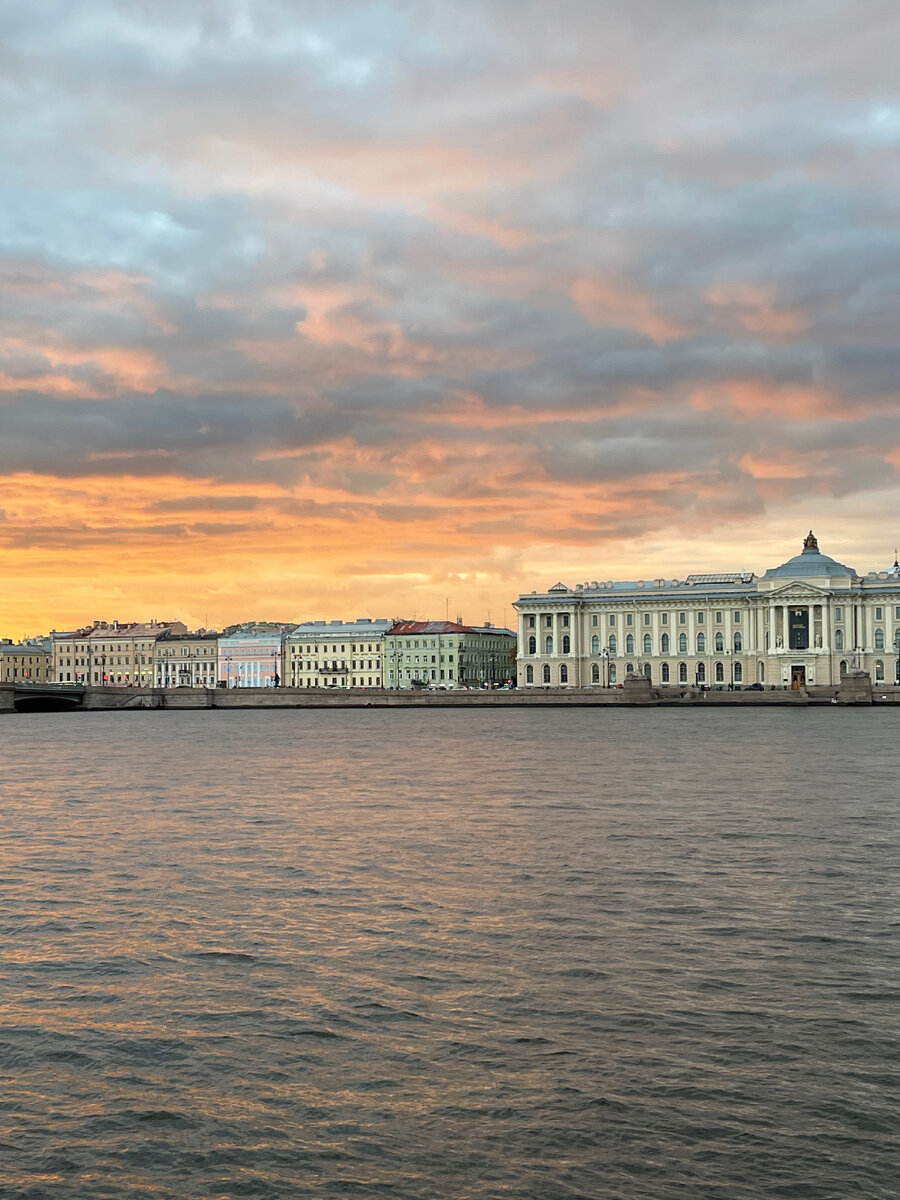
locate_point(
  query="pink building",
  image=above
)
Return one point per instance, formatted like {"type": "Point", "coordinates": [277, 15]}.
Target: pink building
{"type": "Point", "coordinates": [252, 660]}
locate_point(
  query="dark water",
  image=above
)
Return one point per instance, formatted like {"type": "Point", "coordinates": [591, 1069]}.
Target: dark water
{"type": "Point", "coordinates": [450, 954]}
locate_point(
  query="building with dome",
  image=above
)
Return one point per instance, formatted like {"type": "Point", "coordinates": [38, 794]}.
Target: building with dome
{"type": "Point", "coordinates": [807, 621]}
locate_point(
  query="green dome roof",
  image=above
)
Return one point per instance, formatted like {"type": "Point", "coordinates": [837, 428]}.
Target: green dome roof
{"type": "Point", "coordinates": [809, 562]}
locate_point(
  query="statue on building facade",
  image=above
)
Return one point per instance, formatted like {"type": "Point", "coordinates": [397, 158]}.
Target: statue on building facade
{"type": "Point", "coordinates": [810, 542]}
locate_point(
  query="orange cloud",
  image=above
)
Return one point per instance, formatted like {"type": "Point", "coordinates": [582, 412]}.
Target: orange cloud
{"type": "Point", "coordinates": [617, 303]}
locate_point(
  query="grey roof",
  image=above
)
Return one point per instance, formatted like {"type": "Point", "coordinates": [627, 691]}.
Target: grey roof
{"type": "Point", "coordinates": [808, 563]}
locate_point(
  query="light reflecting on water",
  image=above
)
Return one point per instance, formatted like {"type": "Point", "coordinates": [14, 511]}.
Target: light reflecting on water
{"type": "Point", "coordinates": [517, 954]}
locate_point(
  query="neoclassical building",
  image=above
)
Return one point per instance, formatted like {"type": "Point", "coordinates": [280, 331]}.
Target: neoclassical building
{"type": "Point", "coordinates": [804, 622]}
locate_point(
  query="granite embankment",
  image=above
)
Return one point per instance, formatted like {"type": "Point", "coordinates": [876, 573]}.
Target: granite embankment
{"type": "Point", "coordinates": [635, 693]}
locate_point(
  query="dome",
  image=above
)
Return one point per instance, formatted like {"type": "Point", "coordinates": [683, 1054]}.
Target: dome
{"type": "Point", "coordinates": [809, 562]}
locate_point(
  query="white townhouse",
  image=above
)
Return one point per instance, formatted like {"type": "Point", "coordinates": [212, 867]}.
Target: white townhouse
{"type": "Point", "coordinates": [336, 654]}
{"type": "Point", "coordinates": [807, 621]}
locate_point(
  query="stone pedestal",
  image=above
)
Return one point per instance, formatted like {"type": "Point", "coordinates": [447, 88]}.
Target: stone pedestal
{"type": "Point", "coordinates": [856, 688]}
{"type": "Point", "coordinates": [636, 690]}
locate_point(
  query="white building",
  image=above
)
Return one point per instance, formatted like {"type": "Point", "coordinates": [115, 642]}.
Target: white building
{"type": "Point", "coordinates": [805, 622]}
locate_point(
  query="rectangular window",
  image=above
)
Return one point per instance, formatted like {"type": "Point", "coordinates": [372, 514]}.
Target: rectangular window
{"type": "Point", "coordinates": [612, 618]}
{"type": "Point", "coordinates": [664, 618]}
{"type": "Point", "coordinates": [699, 618]}
{"type": "Point", "coordinates": [897, 613]}
{"type": "Point", "coordinates": [839, 614]}
{"type": "Point", "coordinates": [682, 618]}
{"type": "Point", "coordinates": [629, 619]}
{"type": "Point", "coordinates": [531, 622]}
{"type": "Point", "coordinates": [646, 618]}
{"type": "Point", "coordinates": [548, 621]}
{"type": "Point", "coordinates": [878, 614]}
{"type": "Point", "coordinates": [565, 620]}
{"type": "Point", "coordinates": [595, 620]}
{"type": "Point", "coordinates": [736, 618]}
{"type": "Point", "coordinates": [718, 618]}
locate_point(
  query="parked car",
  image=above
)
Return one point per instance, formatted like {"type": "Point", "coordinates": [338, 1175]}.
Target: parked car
{"type": "Point", "coordinates": [755, 687]}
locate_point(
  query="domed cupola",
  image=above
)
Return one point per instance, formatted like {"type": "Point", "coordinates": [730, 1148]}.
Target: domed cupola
{"type": "Point", "coordinates": [810, 563]}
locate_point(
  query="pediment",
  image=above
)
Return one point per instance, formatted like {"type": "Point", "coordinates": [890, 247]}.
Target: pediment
{"type": "Point", "coordinates": [798, 591]}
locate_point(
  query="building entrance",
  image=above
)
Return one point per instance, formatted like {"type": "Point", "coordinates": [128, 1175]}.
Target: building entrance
{"type": "Point", "coordinates": [798, 678]}
{"type": "Point", "coordinates": [798, 629]}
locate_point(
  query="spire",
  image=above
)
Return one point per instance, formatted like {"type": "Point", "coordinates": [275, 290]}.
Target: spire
{"type": "Point", "coordinates": [810, 542]}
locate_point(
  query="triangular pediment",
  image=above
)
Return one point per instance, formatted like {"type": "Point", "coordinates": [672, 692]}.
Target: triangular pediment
{"type": "Point", "coordinates": [796, 591]}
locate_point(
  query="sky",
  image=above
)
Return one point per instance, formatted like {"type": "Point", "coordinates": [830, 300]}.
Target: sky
{"type": "Point", "coordinates": [314, 309]}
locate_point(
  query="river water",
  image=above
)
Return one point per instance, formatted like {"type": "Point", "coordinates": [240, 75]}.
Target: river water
{"type": "Point", "coordinates": [518, 955]}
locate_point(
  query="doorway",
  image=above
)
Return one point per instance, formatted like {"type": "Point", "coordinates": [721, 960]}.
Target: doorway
{"type": "Point", "coordinates": [798, 678]}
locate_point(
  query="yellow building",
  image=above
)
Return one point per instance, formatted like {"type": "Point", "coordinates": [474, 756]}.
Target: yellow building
{"type": "Point", "coordinates": [110, 654]}
{"type": "Point", "coordinates": [25, 662]}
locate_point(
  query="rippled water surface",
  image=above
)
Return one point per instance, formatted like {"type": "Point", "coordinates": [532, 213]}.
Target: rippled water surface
{"type": "Point", "coordinates": [442, 954]}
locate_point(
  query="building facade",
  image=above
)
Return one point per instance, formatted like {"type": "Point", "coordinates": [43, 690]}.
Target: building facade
{"type": "Point", "coordinates": [447, 654]}
{"type": "Point", "coordinates": [30, 661]}
{"type": "Point", "coordinates": [806, 621]}
{"type": "Point", "coordinates": [186, 660]}
{"type": "Point", "coordinates": [110, 654]}
{"type": "Point", "coordinates": [337, 654]}
{"type": "Point", "coordinates": [251, 660]}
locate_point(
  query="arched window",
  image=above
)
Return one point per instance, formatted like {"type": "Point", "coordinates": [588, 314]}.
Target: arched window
{"type": "Point", "coordinates": [879, 639]}
{"type": "Point", "coordinates": [595, 644]}
{"type": "Point", "coordinates": [701, 643]}
{"type": "Point", "coordinates": [701, 672]}
{"type": "Point", "coordinates": [546, 672]}
{"type": "Point", "coordinates": [664, 644]}
{"type": "Point", "coordinates": [720, 672]}
{"type": "Point", "coordinates": [839, 639]}
{"type": "Point", "coordinates": [595, 673]}
{"type": "Point", "coordinates": [567, 644]}
{"type": "Point", "coordinates": [761, 672]}
{"type": "Point", "coordinates": [648, 645]}
{"type": "Point", "coordinates": [548, 644]}
{"type": "Point", "coordinates": [682, 672]}
{"type": "Point", "coordinates": [843, 666]}
{"type": "Point", "coordinates": [629, 644]}
{"type": "Point", "coordinates": [629, 668]}
{"type": "Point", "coordinates": [529, 674]}
{"type": "Point", "coordinates": [682, 643]}
{"type": "Point", "coordinates": [532, 645]}
{"type": "Point", "coordinates": [647, 671]}
{"type": "Point", "coordinates": [563, 674]}
{"type": "Point", "coordinates": [738, 673]}
{"type": "Point", "coordinates": [720, 643]}
{"type": "Point", "coordinates": [612, 674]}
{"type": "Point", "coordinates": [879, 671]}
{"type": "Point", "coordinates": [664, 672]}
{"type": "Point", "coordinates": [613, 644]}
{"type": "Point", "coordinates": [738, 643]}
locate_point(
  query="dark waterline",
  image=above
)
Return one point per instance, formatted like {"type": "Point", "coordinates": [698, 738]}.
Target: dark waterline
{"type": "Point", "coordinates": [497, 954]}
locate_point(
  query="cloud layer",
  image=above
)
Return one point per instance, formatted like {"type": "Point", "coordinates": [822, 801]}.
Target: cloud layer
{"type": "Point", "coordinates": [363, 306]}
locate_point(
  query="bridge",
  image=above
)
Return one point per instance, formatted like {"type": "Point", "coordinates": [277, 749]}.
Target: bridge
{"type": "Point", "coordinates": [40, 697]}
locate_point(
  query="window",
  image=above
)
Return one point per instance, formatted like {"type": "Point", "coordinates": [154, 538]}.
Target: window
{"type": "Point", "coordinates": [700, 618]}
{"type": "Point", "coordinates": [879, 639]}
{"type": "Point", "coordinates": [595, 644]}
{"type": "Point", "coordinates": [720, 672]}
{"type": "Point", "coordinates": [647, 644]}
{"type": "Point", "coordinates": [738, 643]}
{"type": "Point", "coordinates": [531, 622]}
{"type": "Point", "coordinates": [664, 618]}
{"type": "Point", "coordinates": [738, 673]}
{"type": "Point", "coordinates": [879, 614]}
{"type": "Point", "coordinates": [682, 618]}
{"type": "Point", "coordinates": [629, 644]}
{"type": "Point", "coordinates": [612, 618]}
{"type": "Point", "coordinates": [839, 639]}
{"type": "Point", "coordinates": [646, 618]}
{"type": "Point", "coordinates": [701, 643]}
{"type": "Point", "coordinates": [682, 672]}
{"type": "Point", "coordinates": [682, 643]}
{"type": "Point", "coordinates": [532, 645]}
{"type": "Point", "coordinates": [897, 613]}
{"type": "Point", "coordinates": [546, 673]}
{"type": "Point", "coordinates": [879, 671]}
{"type": "Point", "coordinates": [701, 672]}
{"type": "Point", "coordinates": [629, 618]}
{"type": "Point", "coordinates": [839, 614]}
{"type": "Point", "coordinates": [664, 673]}
{"type": "Point", "coordinates": [720, 643]}
{"type": "Point", "coordinates": [736, 618]}
{"type": "Point", "coordinates": [664, 644]}
{"type": "Point", "coordinates": [718, 618]}
{"type": "Point", "coordinates": [595, 620]}
{"type": "Point", "coordinates": [548, 621]}
{"type": "Point", "coordinates": [548, 645]}
{"type": "Point", "coordinates": [595, 673]}
{"type": "Point", "coordinates": [647, 672]}
{"type": "Point", "coordinates": [613, 644]}
{"type": "Point", "coordinates": [566, 644]}
{"type": "Point", "coordinates": [563, 674]}
{"type": "Point", "coordinates": [565, 620]}
{"type": "Point", "coordinates": [529, 674]}
{"type": "Point", "coordinates": [612, 674]}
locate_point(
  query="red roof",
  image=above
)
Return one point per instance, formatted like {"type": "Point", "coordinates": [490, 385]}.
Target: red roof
{"type": "Point", "coordinates": [405, 627]}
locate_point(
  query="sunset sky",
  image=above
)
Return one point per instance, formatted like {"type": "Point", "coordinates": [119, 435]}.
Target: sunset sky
{"type": "Point", "coordinates": [338, 308]}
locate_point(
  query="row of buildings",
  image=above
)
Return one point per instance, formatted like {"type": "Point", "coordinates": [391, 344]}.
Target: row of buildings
{"type": "Point", "coordinates": [807, 621]}
{"type": "Point", "coordinates": [366, 653]}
